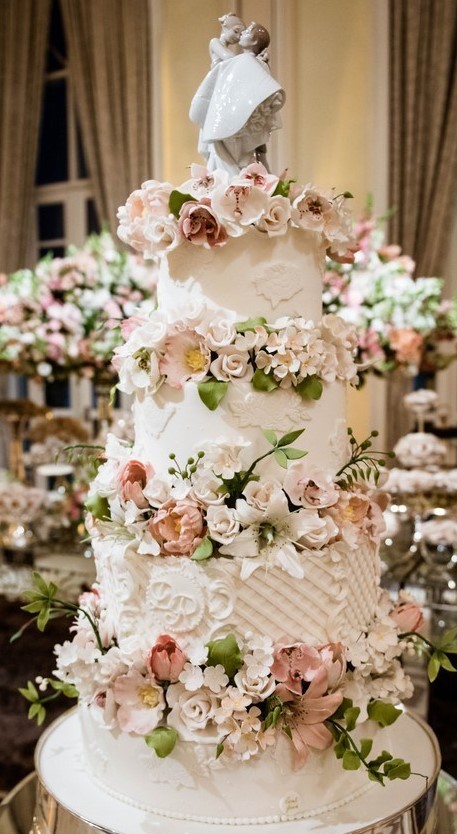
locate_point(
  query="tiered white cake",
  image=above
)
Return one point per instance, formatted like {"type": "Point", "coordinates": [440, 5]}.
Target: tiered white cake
{"type": "Point", "coordinates": [237, 631]}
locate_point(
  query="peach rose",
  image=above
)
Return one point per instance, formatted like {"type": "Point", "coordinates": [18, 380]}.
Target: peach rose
{"type": "Point", "coordinates": [133, 479]}
{"type": "Point", "coordinates": [166, 660]}
{"type": "Point", "coordinates": [407, 615]}
{"type": "Point", "coordinates": [407, 344]}
{"type": "Point", "coordinates": [178, 527]}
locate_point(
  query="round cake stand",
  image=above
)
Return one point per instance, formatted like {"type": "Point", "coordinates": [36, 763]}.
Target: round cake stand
{"type": "Point", "coordinates": [70, 802]}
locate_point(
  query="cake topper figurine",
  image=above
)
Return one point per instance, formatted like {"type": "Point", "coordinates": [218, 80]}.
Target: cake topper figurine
{"type": "Point", "coordinates": [237, 104]}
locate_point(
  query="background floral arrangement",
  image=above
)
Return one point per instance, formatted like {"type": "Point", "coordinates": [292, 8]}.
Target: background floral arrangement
{"type": "Point", "coordinates": [208, 209]}
{"type": "Point", "coordinates": [401, 322]}
{"type": "Point", "coordinates": [63, 316]}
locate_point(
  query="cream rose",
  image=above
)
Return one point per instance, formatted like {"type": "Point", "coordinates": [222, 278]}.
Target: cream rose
{"type": "Point", "coordinates": [222, 523]}
{"type": "Point", "coordinates": [230, 364]}
{"type": "Point", "coordinates": [192, 713]}
{"type": "Point", "coordinates": [277, 216]}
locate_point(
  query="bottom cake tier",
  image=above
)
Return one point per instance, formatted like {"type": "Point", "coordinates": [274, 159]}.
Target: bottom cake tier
{"type": "Point", "coordinates": [72, 797]}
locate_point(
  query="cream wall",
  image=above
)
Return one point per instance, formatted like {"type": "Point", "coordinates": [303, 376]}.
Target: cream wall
{"type": "Point", "coordinates": [330, 55]}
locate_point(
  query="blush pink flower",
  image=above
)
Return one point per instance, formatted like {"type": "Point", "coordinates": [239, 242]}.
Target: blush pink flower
{"type": "Point", "coordinates": [242, 204]}
{"type": "Point", "coordinates": [178, 527]}
{"type": "Point", "coordinates": [166, 660]}
{"type": "Point", "coordinates": [141, 702]}
{"type": "Point", "coordinates": [407, 616]}
{"type": "Point", "coordinates": [305, 716]}
{"type": "Point", "coordinates": [133, 479]}
{"type": "Point", "coordinates": [312, 209]}
{"type": "Point", "coordinates": [295, 664]}
{"type": "Point", "coordinates": [199, 224]}
{"type": "Point", "coordinates": [256, 174]}
{"type": "Point", "coordinates": [310, 487]}
{"type": "Point", "coordinates": [186, 357]}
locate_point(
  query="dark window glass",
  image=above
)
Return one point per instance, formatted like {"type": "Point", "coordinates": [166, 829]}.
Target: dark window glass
{"type": "Point", "coordinates": [22, 387]}
{"type": "Point", "coordinates": [92, 224]}
{"type": "Point", "coordinates": [53, 156]}
{"type": "Point", "coordinates": [57, 47]}
{"type": "Point", "coordinates": [82, 169]}
{"type": "Point", "coordinates": [57, 393]}
{"type": "Point", "coordinates": [55, 251]}
{"type": "Point", "coordinates": [51, 221]}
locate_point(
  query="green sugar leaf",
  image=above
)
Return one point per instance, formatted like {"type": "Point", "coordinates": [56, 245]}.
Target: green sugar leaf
{"type": "Point", "coordinates": [250, 324]}
{"type": "Point", "coordinates": [263, 382]}
{"type": "Point", "coordinates": [288, 438]}
{"type": "Point", "coordinates": [162, 740]}
{"type": "Point", "coordinates": [203, 551]}
{"type": "Point", "coordinates": [310, 388]}
{"type": "Point", "coordinates": [177, 200]}
{"type": "Point", "coordinates": [225, 652]}
{"type": "Point", "coordinates": [383, 714]}
{"type": "Point", "coordinates": [270, 436]}
{"type": "Point", "coordinates": [212, 393]}
{"type": "Point", "coordinates": [351, 760]}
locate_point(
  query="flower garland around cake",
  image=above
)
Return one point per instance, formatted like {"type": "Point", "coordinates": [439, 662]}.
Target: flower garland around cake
{"type": "Point", "coordinates": [210, 208]}
{"type": "Point", "coordinates": [240, 692]}
{"type": "Point", "coordinates": [401, 322]}
{"type": "Point", "coordinates": [63, 316]}
{"type": "Point", "coordinates": [213, 350]}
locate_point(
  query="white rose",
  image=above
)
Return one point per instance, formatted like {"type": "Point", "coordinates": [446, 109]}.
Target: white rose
{"type": "Point", "coordinates": [277, 216]}
{"type": "Point", "coordinates": [230, 364]}
{"type": "Point", "coordinates": [259, 493]}
{"type": "Point", "coordinates": [192, 713]}
{"type": "Point", "coordinates": [222, 523]}
{"type": "Point", "coordinates": [324, 530]}
{"type": "Point", "coordinates": [220, 333]}
{"type": "Point", "coordinates": [161, 234]}
{"type": "Point", "coordinates": [258, 688]}
{"type": "Point", "coordinates": [204, 488]}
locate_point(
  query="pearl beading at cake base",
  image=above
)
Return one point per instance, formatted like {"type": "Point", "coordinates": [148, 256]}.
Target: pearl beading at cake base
{"type": "Point", "coordinates": [70, 801]}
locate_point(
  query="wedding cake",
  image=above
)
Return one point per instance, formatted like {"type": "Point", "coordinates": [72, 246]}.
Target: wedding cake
{"type": "Point", "coordinates": [237, 662]}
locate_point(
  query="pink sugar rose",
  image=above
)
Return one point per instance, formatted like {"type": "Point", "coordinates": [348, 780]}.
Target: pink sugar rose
{"type": "Point", "coordinates": [294, 664]}
{"type": "Point", "coordinates": [178, 527]}
{"type": "Point", "coordinates": [131, 324]}
{"type": "Point", "coordinates": [305, 715]}
{"type": "Point", "coordinates": [310, 487]}
{"type": "Point", "coordinates": [166, 660]}
{"type": "Point", "coordinates": [133, 479]}
{"type": "Point", "coordinates": [389, 252]}
{"type": "Point", "coordinates": [407, 344]}
{"type": "Point", "coordinates": [156, 197]}
{"type": "Point", "coordinates": [407, 616]}
{"type": "Point", "coordinates": [199, 224]}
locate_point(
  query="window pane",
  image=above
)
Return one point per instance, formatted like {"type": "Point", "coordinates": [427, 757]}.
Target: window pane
{"type": "Point", "coordinates": [53, 151]}
{"type": "Point", "coordinates": [55, 251]}
{"type": "Point", "coordinates": [57, 47]}
{"type": "Point", "coordinates": [22, 387]}
{"type": "Point", "coordinates": [57, 393]}
{"type": "Point", "coordinates": [92, 224]}
{"type": "Point", "coordinates": [82, 172]}
{"type": "Point", "coordinates": [50, 221]}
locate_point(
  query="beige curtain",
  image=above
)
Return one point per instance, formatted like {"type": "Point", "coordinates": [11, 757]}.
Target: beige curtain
{"type": "Point", "coordinates": [422, 147]}
{"type": "Point", "coordinates": [23, 38]}
{"type": "Point", "coordinates": [423, 128]}
{"type": "Point", "coordinates": [109, 56]}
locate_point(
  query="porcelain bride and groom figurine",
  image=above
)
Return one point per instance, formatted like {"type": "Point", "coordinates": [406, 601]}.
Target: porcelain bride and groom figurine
{"type": "Point", "coordinates": [237, 104]}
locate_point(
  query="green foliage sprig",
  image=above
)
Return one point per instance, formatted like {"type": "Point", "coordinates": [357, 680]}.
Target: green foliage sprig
{"type": "Point", "coordinates": [365, 462]}
{"type": "Point", "coordinates": [437, 653]}
{"type": "Point", "coordinates": [44, 604]}
{"type": "Point", "coordinates": [355, 755]}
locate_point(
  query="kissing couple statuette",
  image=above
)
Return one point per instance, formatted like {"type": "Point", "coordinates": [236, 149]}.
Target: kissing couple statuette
{"type": "Point", "coordinates": [237, 104]}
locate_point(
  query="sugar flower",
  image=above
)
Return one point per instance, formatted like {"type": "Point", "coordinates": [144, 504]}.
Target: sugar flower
{"type": "Point", "coordinates": [141, 702]}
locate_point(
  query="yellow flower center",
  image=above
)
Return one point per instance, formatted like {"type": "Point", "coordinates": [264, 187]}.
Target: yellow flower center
{"type": "Point", "coordinates": [195, 360]}
{"type": "Point", "coordinates": [149, 696]}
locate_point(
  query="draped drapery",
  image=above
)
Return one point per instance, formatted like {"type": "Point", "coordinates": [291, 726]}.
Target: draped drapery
{"type": "Point", "coordinates": [422, 147]}
{"type": "Point", "coordinates": [23, 38]}
{"type": "Point", "coordinates": [109, 57]}
{"type": "Point", "coordinates": [423, 128]}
